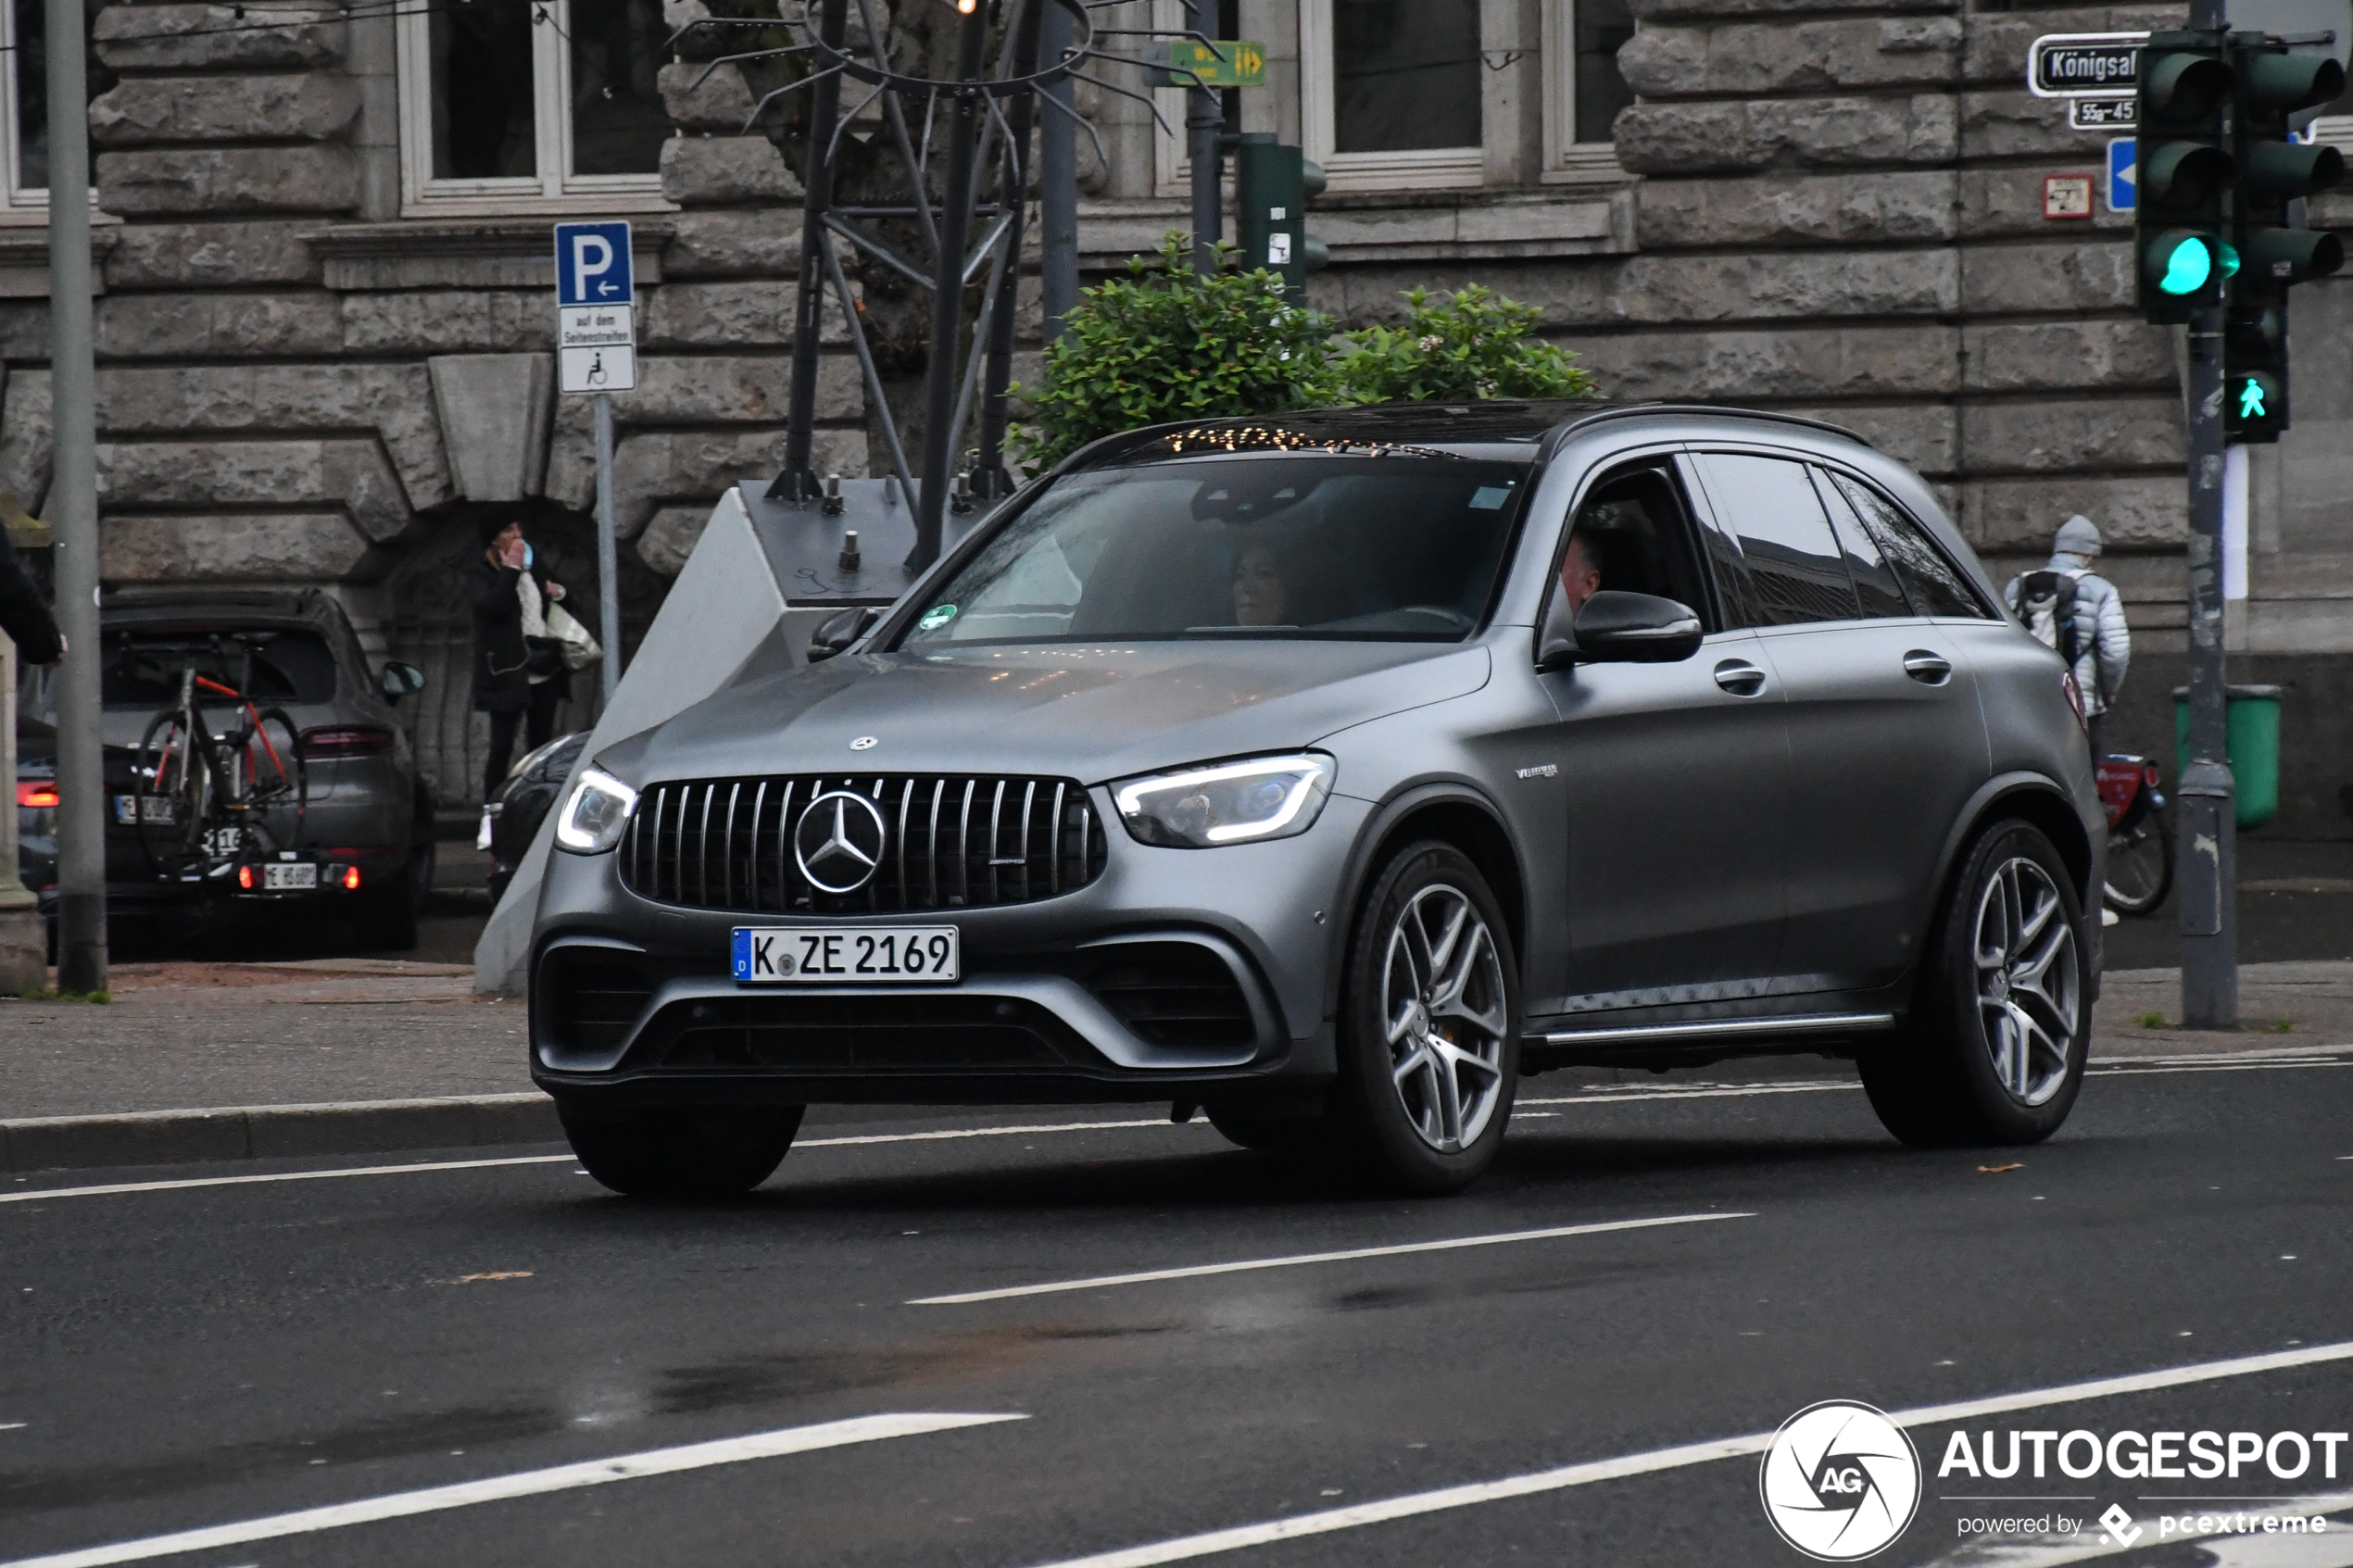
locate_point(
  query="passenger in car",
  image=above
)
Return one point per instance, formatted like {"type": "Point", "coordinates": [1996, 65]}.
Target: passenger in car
{"type": "Point", "coordinates": [1260, 596]}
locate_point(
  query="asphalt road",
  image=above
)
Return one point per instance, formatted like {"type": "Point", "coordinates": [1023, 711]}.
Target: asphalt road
{"type": "Point", "coordinates": [216, 1355]}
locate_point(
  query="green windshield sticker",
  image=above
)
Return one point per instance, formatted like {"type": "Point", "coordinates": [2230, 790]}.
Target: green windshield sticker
{"type": "Point", "coordinates": [1487, 497]}
{"type": "Point", "coordinates": [937, 617]}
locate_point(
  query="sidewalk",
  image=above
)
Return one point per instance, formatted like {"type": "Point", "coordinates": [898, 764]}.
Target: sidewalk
{"type": "Point", "coordinates": [352, 1056]}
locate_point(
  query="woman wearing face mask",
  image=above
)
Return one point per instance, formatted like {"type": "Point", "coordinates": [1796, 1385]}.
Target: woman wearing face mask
{"type": "Point", "coordinates": [518, 675]}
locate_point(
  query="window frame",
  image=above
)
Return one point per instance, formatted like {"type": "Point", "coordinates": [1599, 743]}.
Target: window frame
{"type": "Point", "coordinates": [1987, 611]}
{"type": "Point", "coordinates": [1698, 530]}
{"type": "Point", "coordinates": [24, 206]}
{"type": "Point", "coordinates": [1568, 160]}
{"type": "Point", "coordinates": [556, 188]}
{"type": "Point", "coordinates": [1423, 169]}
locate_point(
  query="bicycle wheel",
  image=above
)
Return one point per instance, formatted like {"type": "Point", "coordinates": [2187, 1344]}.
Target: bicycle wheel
{"type": "Point", "coordinates": [169, 792]}
{"type": "Point", "coordinates": [273, 778]}
{"type": "Point", "coordinates": [2140, 866]}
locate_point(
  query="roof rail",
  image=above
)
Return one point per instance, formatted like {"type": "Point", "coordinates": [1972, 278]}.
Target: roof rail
{"type": "Point", "coordinates": [1627, 410]}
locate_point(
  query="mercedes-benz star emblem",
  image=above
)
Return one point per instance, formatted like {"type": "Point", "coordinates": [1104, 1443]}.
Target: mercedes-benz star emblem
{"type": "Point", "coordinates": [839, 842]}
{"type": "Point", "coordinates": [865, 743]}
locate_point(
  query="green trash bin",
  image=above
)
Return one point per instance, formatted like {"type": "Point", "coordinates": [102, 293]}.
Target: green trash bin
{"type": "Point", "coordinates": [2252, 746]}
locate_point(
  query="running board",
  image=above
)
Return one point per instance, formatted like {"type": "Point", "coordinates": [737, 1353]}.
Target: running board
{"type": "Point", "coordinates": [1749, 1028]}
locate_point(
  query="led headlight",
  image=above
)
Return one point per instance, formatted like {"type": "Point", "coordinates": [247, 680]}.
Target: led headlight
{"type": "Point", "coordinates": [594, 815]}
{"type": "Point", "coordinates": [1227, 802]}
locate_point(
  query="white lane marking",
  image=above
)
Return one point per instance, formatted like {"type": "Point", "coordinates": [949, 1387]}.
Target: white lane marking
{"type": "Point", "coordinates": [2333, 1550]}
{"type": "Point", "coordinates": [1185, 1548]}
{"type": "Point", "coordinates": [522, 1484]}
{"type": "Point", "coordinates": [1603, 1097]}
{"type": "Point", "coordinates": [13, 1426]}
{"type": "Point", "coordinates": [1607, 1097]}
{"type": "Point", "coordinates": [37, 1195]}
{"type": "Point", "coordinates": [985, 1133]}
{"type": "Point", "coordinates": [1199, 1269]}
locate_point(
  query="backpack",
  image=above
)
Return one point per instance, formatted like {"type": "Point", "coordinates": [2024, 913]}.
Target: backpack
{"type": "Point", "coordinates": [2046, 602]}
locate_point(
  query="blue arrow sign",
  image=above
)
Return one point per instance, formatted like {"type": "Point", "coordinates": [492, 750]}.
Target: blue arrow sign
{"type": "Point", "coordinates": [592, 264]}
{"type": "Point", "coordinates": [2121, 188]}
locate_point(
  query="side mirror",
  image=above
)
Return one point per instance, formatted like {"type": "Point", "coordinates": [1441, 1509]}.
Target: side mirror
{"type": "Point", "coordinates": [837, 631]}
{"type": "Point", "coordinates": [1616, 627]}
{"type": "Point", "coordinates": [400, 680]}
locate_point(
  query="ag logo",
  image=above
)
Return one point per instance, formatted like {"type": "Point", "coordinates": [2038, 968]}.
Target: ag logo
{"type": "Point", "coordinates": [1841, 1481]}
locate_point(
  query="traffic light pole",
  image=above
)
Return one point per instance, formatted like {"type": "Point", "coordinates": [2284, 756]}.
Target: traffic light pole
{"type": "Point", "coordinates": [2209, 816]}
{"type": "Point", "coordinates": [1205, 117]}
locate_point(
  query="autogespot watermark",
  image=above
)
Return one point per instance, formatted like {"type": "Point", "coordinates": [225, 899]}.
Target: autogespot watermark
{"type": "Point", "coordinates": [1841, 1481]}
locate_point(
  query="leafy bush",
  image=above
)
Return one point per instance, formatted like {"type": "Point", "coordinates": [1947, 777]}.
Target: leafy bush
{"type": "Point", "coordinates": [1474, 344]}
{"type": "Point", "coordinates": [1165, 342]}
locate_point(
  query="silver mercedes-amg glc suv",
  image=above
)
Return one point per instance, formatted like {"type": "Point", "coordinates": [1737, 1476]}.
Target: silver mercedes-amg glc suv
{"type": "Point", "coordinates": [1329, 772]}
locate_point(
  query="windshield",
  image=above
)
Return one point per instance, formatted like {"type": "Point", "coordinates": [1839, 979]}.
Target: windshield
{"type": "Point", "coordinates": [143, 669]}
{"type": "Point", "coordinates": [1389, 548]}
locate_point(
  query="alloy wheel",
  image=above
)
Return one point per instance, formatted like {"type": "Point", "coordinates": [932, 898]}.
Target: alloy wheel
{"type": "Point", "coordinates": [2029, 980]}
{"type": "Point", "coordinates": [1446, 1012]}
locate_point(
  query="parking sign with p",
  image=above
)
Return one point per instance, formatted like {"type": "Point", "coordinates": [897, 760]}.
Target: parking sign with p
{"type": "Point", "coordinates": [592, 264]}
{"type": "Point", "coordinates": [595, 310]}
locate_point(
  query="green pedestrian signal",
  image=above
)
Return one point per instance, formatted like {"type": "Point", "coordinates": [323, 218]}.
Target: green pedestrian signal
{"type": "Point", "coordinates": [2275, 174]}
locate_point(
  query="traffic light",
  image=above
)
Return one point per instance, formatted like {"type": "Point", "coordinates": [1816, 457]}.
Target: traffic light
{"type": "Point", "coordinates": [2181, 212]}
{"type": "Point", "coordinates": [1272, 184]}
{"type": "Point", "coordinates": [2273, 174]}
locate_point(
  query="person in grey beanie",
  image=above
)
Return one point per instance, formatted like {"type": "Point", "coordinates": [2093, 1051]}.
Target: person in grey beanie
{"type": "Point", "coordinates": [2070, 608]}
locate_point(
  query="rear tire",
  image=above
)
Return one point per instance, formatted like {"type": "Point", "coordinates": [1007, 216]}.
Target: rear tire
{"type": "Point", "coordinates": [2000, 1027]}
{"type": "Point", "coordinates": [683, 1155]}
{"type": "Point", "coordinates": [2140, 866]}
{"type": "Point", "coordinates": [1428, 1028]}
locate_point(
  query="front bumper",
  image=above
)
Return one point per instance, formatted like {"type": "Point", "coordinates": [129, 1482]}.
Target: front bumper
{"type": "Point", "coordinates": [1176, 975]}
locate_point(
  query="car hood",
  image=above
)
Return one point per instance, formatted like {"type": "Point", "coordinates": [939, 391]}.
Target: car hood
{"type": "Point", "coordinates": [1093, 713]}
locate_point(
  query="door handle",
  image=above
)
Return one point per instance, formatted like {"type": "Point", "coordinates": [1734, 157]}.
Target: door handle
{"type": "Point", "coordinates": [1739, 677]}
{"type": "Point", "coordinates": [1928, 668]}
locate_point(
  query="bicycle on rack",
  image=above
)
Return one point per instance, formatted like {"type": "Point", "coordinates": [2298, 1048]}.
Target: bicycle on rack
{"type": "Point", "coordinates": [227, 806]}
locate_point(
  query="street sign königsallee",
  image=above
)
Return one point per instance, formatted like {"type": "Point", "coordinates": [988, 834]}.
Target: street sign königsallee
{"type": "Point", "coordinates": [2082, 65]}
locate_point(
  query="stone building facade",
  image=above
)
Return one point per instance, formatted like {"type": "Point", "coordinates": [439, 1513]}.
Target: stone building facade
{"type": "Point", "coordinates": [326, 327]}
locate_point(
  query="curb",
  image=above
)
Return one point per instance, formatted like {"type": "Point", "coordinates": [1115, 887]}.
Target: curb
{"type": "Point", "coordinates": [271, 1132]}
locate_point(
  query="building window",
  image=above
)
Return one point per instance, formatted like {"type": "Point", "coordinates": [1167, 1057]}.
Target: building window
{"type": "Point", "coordinates": [1390, 92]}
{"type": "Point", "coordinates": [552, 103]}
{"type": "Point", "coordinates": [1583, 88]}
{"type": "Point", "coordinates": [25, 86]}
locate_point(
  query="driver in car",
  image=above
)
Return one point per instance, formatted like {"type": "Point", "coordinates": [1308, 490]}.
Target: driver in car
{"type": "Point", "coordinates": [1580, 570]}
{"type": "Point", "coordinates": [1260, 595]}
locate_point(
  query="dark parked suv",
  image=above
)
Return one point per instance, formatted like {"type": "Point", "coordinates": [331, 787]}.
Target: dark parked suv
{"type": "Point", "coordinates": [369, 816]}
{"type": "Point", "coordinates": [1331, 773]}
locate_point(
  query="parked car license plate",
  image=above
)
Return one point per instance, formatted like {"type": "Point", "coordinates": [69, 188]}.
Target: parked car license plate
{"type": "Point", "coordinates": [847, 955]}
{"type": "Point", "coordinates": [130, 808]}
{"type": "Point", "coordinates": [278, 878]}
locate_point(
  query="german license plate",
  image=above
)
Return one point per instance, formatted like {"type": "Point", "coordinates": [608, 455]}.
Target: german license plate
{"type": "Point", "coordinates": [898, 955]}
{"type": "Point", "coordinates": [285, 878]}
{"type": "Point", "coordinates": [154, 808]}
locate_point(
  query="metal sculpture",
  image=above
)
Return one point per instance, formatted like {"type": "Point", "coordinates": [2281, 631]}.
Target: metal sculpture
{"type": "Point", "coordinates": [989, 116]}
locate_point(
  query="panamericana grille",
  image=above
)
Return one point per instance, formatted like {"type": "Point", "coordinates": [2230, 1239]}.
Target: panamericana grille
{"type": "Point", "coordinates": [951, 842]}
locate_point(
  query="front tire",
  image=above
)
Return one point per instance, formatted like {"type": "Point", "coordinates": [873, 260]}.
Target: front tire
{"type": "Point", "coordinates": [683, 1155]}
{"type": "Point", "coordinates": [1429, 1027]}
{"type": "Point", "coordinates": [2001, 1028]}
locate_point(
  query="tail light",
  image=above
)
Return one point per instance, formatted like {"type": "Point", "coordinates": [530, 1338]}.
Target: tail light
{"type": "Point", "coordinates": [38, 794]}
{"type": "Point", "coordinates": [2149, 775]}
{"type": "Point", "coordinates": [2075, 699]}
{"type": "Point", "coordinates": [334, 745]}
{"type": "Point", "coordinates": [245, 878]}
{"type": "Point", "coordinates": [350, 879]}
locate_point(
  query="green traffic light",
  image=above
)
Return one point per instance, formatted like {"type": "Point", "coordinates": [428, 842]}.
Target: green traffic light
{"type": "Point", "coordinates": [2188, 267]}
{"type": "Point", "coordinates": [2251, 400]}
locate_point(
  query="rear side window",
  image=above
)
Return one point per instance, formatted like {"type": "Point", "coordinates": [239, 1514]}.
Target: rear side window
{"type": "Point", "coordinates": [1930, 580]}
{"type": "Point", "coordinates": [1875, 582]}
{"type": "Point", "coordinates": [1795, 568]}
{"type": "Point", "coordinates": [143, 669]}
